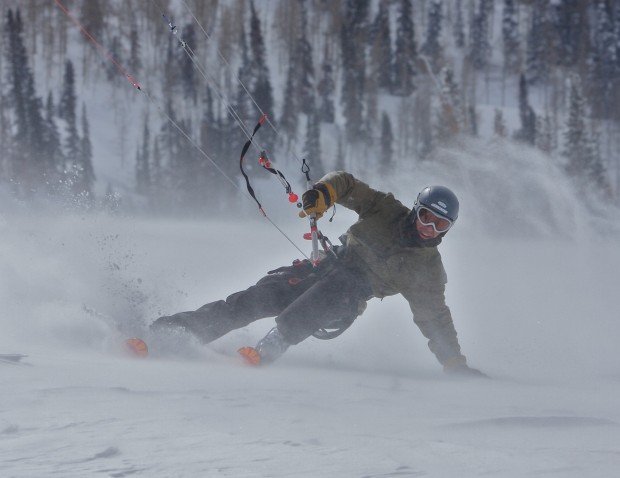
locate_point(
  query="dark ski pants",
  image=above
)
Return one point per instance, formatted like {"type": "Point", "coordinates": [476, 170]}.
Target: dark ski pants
{"type": "Point", "coordinates": [302, 298]}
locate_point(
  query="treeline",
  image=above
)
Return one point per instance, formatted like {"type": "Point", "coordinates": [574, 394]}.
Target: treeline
{"type": "Point", "coordinates": [34, 158]}
{"type": "Point", "coordinates": [348, 84]}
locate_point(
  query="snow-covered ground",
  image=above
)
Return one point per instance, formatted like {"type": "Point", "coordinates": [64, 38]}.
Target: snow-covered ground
{"type": "Point", "coordinates": [533, 289]}
{"type": "Point", "coordinates": [539, 315]}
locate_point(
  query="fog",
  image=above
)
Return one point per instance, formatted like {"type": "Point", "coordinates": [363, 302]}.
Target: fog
{"type": "Point", "coordinates": [533, 278]}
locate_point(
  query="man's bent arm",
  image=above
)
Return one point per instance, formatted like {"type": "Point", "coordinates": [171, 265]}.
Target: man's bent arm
{"type": "Point", "coordinates": [353, 193]}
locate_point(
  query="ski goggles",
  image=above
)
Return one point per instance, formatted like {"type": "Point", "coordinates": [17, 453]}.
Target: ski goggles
{"type": "Point", "coordinates": [429, 218]}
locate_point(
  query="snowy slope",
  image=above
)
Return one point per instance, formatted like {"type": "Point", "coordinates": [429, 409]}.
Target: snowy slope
{"type": "Point", "coordinates": [533, 290]}
{"type": "Point", "coordinates": [537, 314]}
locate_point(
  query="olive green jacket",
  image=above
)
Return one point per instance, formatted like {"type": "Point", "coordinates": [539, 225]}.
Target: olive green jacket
{"type": "Point", "coordinates": [373, 245]}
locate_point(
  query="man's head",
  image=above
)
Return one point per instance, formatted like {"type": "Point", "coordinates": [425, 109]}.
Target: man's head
{"type": "Point", "coordinates": [436, 209]}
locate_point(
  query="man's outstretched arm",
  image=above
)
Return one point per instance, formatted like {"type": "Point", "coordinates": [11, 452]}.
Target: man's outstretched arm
{"type": "Point", "coordinates": [433, 317]}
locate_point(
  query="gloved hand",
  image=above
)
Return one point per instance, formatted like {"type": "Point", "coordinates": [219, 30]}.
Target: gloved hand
{"type": "Point", "coordinates": [317, 200]}
{"type": "Point", "coordinates": [460, 368]}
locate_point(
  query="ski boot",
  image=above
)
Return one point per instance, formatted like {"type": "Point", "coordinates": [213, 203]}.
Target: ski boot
{"type": "Point", "coordinates": [268, 349]}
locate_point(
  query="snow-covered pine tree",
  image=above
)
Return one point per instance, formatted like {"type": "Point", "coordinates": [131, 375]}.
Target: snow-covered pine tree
{"type": "Point", "coordinates": [371, 110]}
{"type": "Point", "coordinates": [230, 24]}
{"type": "Point", "coordinates": [138, 171]}
{"type": "Point", "coordinates": [135, 59]}
{"type": "Point", "coordinates": [597, 172]}
{"type": "Point", "coordinates": [289, 120]}
{"type": "Point", "coordinates": [480, 48]}
{"type": "Point", "coordinates": [17, 63]}
{"type": "Point", "coordinates": [341, 155]}
{"type": "Point", "coordinates": [450, 113]}
{"type": "Point", "coordinates": [544, 133]}
{"type": "Point", "coordinates": [143, 160]}
{"type": "Point", "coordinates": [55, 156]}
{"type": "Point", "coordinates": [208, 123]}
{"type": "Point", "coordinates": [172, 76]}
{"type": "Point", "coordinates": [158, 186]}
{"type": "Point", "coordinates": [168, 140]}
{"type": "Point", "coordinates": [213, 136]}
{"type": "Point", "coordinates": [110, 67]}
{"type": "Point", "coordinates": [261, 84]}
{"type": "Point", "coordinates": [432, 47]}
{"type": "Point", "coordinates": [538, 43]}
{"type": "Point", "coordinates": [243, 103]}
{"type": "Point", "coordinates": [32, 143]}
{"type": "Point", "coordinates": [616, 96]}
{"type": "Point", "coordinates": [213, 130]}
{"type": "Point", "coordinates": [304, 65]}
{"type": "Point", "coordinates": [84, 174]}
{"type": "Point", "coordinates": [67, 111]}
{"type": "Point", "coordinates": [405, 53]}
{"type": "Point", "coordinates": [583, 162]}
{"type": "Point", "coordinates": [312, 147]}
{"type": "Point", "coordinates": [187, 171]}
{"type": "Point", "coordinates": [422, 134]}
{"type": "Point", "coordinates": [603, 66]}
{"type": "Point", "coordinates": [527, 133]}
{"type": "Point", "coordinates": [570, 20]}
{"type": "Point", "coordinates": [499, 124]}
{"type": "Point", "coordinates": [28, 156]}
{"type": "Point", "coordinates": [511, 37]}
{"type": "Point", "coordinates": [459, 25]}
{"type": "Point", "coordinates": [188, 71]}
{"type": "Point", "coordinates": [93, 17]}
{"type": "Point", "coordinates": [386, 155]}
{"type": "Point", "coordinates": [66, 104]}
{"type": "Point", "coordinates": [352, 35]}
{"type": "Point", "coordinates": [472, 115]}
{"type": "Point", "coordinates": [616, 18]}
{"type": "Point", "coordinates": [381, 49]}
{"type": "Point", "coordinates": [326, 90]}
{"type": "Point", "coordinates": [6, 144]}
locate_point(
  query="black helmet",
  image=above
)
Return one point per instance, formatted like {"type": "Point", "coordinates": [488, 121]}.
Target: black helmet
{"type": "Point", "coordinates": [440, 200]}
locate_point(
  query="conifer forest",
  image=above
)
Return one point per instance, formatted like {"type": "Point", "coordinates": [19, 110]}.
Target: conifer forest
{"type": "Point", "coordinates": [362, 85]}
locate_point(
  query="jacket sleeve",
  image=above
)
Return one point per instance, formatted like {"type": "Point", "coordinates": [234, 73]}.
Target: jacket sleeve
{"type": "Point", "coordinates": [432, 315]}
{"type": "Point", "coordinates": [353, 193]}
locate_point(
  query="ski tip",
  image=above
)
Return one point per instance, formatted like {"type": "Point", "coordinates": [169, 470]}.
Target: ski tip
{"type": "Point", "coordinates": [249, 355]}
{"type": "Point", "coordinates": [136, 347]}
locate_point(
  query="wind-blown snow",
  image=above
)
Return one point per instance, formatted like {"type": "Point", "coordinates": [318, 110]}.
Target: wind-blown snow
{"type": "Point", "coordinates": [532, 286]}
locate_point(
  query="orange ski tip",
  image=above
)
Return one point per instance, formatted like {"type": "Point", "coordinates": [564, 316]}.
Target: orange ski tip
{"type": "Point", "coordinates": [136, 347]}
{"type": "Point", "coordinates": [250, 355]}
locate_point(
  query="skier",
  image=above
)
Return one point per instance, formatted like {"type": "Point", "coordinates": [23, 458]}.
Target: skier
{"type": "Point", "coordinates": [389, 250]}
